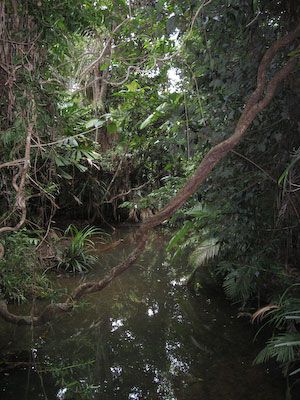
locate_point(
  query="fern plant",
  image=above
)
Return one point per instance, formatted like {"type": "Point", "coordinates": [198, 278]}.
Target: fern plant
{"type": "Point", "coordinates": [195, 237]}
{"type": "Point", "coordinates": [285, 346]}
{"type": "Point", "coordinates": [21, 275]}
{"type": "Point", "coordinates": [240, 281]}
{"type": "Point", "coordinates": [205, 251]}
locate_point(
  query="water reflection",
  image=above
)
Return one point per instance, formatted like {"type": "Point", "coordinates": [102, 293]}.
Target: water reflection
{"type": "Point", "coordinates": [144, 337]}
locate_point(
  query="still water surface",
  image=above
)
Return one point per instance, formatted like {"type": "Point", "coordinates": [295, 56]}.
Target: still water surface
{"type": "Point", "coordinates": [144, 337]}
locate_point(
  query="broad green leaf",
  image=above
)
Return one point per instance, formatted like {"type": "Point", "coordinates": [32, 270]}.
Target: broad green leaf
{"type": "Point", "coordinates": [296, 371]}
{"type": "Point", "coordinates": [162, 107]}
{"type": "Point", "coordinates": [112, 127]}
{"type": "Point", "coordinates": [93, 123]}
{"type": "Point", "coordinates": [104, 66]}
{"type": "Point", "coordinates": [133, 86]}
{"type": "Point", "coordinates": [179, 235]}
{"type": "Point", "coordinates": [81, 167]}
{"type": "Point", "coordinates": [65, 175]}
{"type": "Point", "coordinates": [62, 161]}
{"type": "Point", "coordinates": [148, 121]}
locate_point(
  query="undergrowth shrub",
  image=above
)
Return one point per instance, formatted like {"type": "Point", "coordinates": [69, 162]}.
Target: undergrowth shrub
{"type": "Point", "coordinates": [284, 318]}
{"type": "Point", "coordinates": [20, 270]}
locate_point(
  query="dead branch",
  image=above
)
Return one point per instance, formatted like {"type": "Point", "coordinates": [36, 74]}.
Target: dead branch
{"type": "Point", "coordinates": [255, 165]}
{"type": "Point", "coordinates": [258, 101]}
{"type": "Point", "coordinates": [12, 163]}
{"type": "Point", "coordinates": [123, 194]}
{"type": "Point", "coordinates": [104, 79]}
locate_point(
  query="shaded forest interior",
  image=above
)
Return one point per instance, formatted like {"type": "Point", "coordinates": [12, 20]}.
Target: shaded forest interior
{"type": "Point", "coordinates": [179, 115]}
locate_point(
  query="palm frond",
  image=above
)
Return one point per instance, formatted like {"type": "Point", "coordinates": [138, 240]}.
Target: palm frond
{"type": "Point", "coordinates": [260, 314]}
{"type": "Point", "coordinates": [240, 283]}
{"type": "Point", "coordinates": [205, 251]}
{"type": "Point", "coordinates": [283, 348]}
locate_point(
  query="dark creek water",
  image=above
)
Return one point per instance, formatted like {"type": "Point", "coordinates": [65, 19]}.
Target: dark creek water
{"type": "Point", "coordinates": [144, 337]}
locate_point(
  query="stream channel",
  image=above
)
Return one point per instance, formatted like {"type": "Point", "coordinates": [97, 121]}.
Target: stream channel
{"type": "Point", "coordinates": [144, 337]}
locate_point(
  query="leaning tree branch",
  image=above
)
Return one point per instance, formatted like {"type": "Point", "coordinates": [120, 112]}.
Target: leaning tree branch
{"type": "Point", "coordinates": [266, 60]}
{"type": "Point", "coordinates": [257, 102]}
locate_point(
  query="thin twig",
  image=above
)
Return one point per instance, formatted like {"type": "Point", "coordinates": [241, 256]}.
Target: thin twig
{"type": "Point", "coordinates": [256, 165]}
{"type": "Point", "coordinates": [204, 4]}
{"type": "Point", "coordinates": [12, 163]}
{"type": "Point", "coordinates": [130, 191]}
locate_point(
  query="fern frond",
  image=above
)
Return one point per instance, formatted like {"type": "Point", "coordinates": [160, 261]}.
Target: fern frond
{"type": "Point", "coordinates": [205, 251]}
{"type": "Point", "coordinates": [179, 236]}
{"type": "Point", "coordinates": [240, 283]}
{"type": "Point", "coordinates": [284, 348]}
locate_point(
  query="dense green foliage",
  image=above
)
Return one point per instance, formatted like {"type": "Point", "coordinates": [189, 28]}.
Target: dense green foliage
{"type": "Point", "coordinates": [125, 99]}
{"type": "Point", "coordinates": [21, 277]}
{"type": "Point", "coordinates": [75, 256]}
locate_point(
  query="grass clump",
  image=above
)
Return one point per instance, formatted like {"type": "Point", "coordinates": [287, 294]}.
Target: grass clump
{"type": "Point", "coordinates": [77, 257]}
